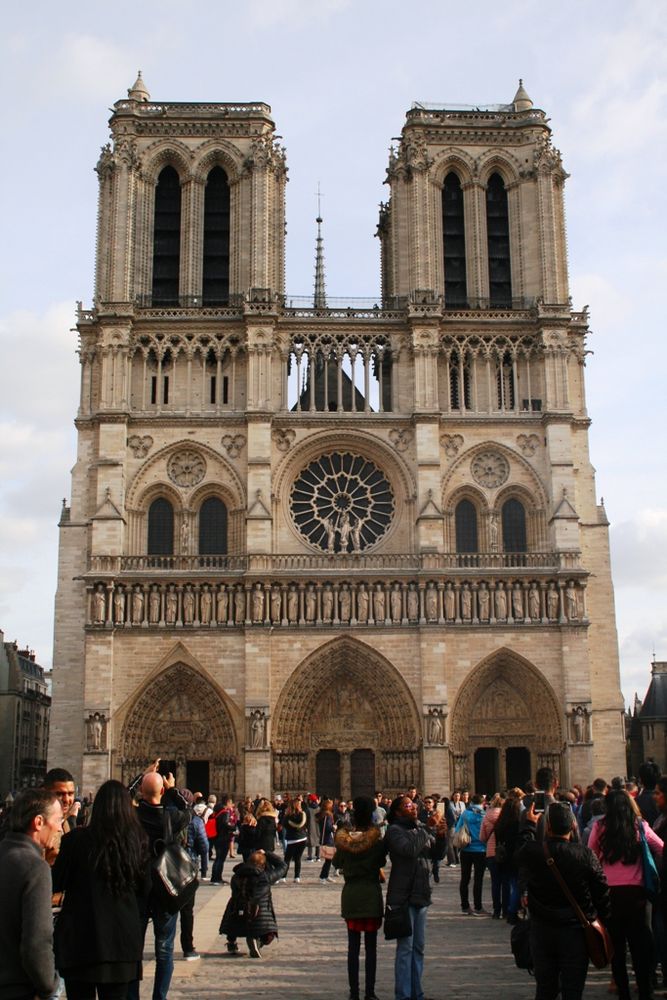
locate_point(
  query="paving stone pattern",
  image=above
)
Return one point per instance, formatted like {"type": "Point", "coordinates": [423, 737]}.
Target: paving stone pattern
{"type": "Point", "coordinates": [467, 958]}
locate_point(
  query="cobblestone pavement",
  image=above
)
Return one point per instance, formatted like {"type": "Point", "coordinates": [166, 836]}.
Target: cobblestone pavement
{"type": "Point", "coordinates": [467, 958]}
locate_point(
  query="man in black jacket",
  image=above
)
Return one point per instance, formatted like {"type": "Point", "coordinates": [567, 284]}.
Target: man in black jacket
{"type": "Point", "coordinates": [557, 939]}
{"type": "Point", "coordinates": [411, 846]}
{"type": "Point", "coordinates": [157, 795]}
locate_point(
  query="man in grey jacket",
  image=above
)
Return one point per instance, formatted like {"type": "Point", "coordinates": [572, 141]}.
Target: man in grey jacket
{"type": "Point", "coordinates": [27, 966]}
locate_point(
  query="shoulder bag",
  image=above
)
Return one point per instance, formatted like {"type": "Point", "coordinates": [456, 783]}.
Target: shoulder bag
{"type": "Point", "coordinates": [598, 943]}
{"type": "Point", "coordinates": [651, 876]}
{"type": "Point", "coordinates": [397, 923]}
{"type": "Point", "coordinates": [461, 838]}
{"type": "Point", "coordinates": [327, 851]}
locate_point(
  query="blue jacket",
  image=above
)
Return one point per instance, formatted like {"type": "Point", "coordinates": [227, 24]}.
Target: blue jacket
{"type": "Point", "coordinates": [472, 817]}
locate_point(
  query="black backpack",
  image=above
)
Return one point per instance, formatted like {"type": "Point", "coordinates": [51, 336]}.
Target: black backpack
{"type": "Point", "coordinates": [173, 871]}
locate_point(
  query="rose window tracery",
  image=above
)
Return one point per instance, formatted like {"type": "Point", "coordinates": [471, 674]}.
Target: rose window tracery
{"type": "Point", "coordinates": [490, 469]}
{"type": "Point", "coordinates": [186, 468]}
{"type": "Point", "coordinates": [342, 502]}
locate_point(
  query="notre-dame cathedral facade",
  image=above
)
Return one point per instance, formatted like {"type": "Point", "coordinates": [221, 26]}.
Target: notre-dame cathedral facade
{"type": "Point", "coordinates": [344, 547]}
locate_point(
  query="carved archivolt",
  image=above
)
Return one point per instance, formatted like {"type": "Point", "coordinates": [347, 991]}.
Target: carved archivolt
{"type": "Point", "coordinates": [506, 699]}
{"type": "Point", "coordinates": [154, 471]}
{"type": "Point", "coordinates": [180, 712]}
{"type": "Point", "coordinates": [346, 694]}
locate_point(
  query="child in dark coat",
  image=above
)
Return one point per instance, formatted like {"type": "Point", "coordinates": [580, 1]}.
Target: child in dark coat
{"type": "Point", "coordinates": [249, 912]}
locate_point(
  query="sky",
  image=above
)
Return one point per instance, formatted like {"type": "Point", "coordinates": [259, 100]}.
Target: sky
{"type": "Point", "coordinates": [339, 76]}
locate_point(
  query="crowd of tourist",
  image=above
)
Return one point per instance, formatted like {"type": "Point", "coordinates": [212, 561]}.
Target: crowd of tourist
{"type": "Point", "coordinates": [78, 885]}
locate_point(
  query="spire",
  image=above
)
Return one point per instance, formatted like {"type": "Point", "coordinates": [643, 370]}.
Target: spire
{"type": "Point", "coordinates": [522, 101]}
{"type": "Point", "coordinates": [139, 92]}
{"type": "Point", "coordinates": [319, 295]}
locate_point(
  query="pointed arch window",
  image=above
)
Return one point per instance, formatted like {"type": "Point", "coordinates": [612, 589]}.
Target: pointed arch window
{"type": "Point", "coordinates": [460, 397]}
{"type": "Point", "coordinates": [167, 238]}
{"type": "Point", "coordinates": [498, 234]}
{"type": "Point", "coordinates": [514, 526]}
{"type": "Point", "coordinates": [453, 234]}
{"type": "Point", "coordinates": [505, 376]}
{"type": "Point", "coordinates": [465, 517]}
{"type": "Point", "coordinates": [212, 527]}
{"type": "Point", "coordinates": [215, 289]}
{"type": "Point", "coordinates": [160, 528]}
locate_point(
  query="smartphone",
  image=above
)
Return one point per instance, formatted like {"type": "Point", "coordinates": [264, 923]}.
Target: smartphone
{"type": "Point", "coordinates": [538, 799]}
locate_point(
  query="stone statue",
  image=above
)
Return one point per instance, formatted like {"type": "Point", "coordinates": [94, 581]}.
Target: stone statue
{"type": "Point", "coordinates": [327, 603]}
{"type": "Point", "coordinates": [258, 603]}
{"type": "Point", "coordinates": [534, 602]}
{"type": "Point", "coordinates": [571, 602]}
{"type": "Point", "coordinates": [96, 732]}
{"type": "Point", "coordinates": [396, 603]}
{"type": "Point", "coordinates": [257, 729]}
{"type": "Point", "coordinates": [221, 605]}
{"type": "Point", "coordinates": [435, 733]}
{"type": "Point", "coordinates": [119, 607]}
{"type": "Point", "coordinates": [580, 724]}
{"type": "Point", "coordinates": [239, 605]}
{"type": "Point", "coordinates": [137, 605]}
{"type": "Point", "coordinates": [344, 529]}
{"type": "Point", "coordinates": [171, 607]}
{"type": "Point", "coordinates": [99, 605]}
{"type": "Point", "coordinates": [552, 602]}
{"type": "Point", "coordinates": [205, 605]}
{"type": "Point", "coordinates": [355, 532]}
{"type": "Point", "coordinates": [493, 532]}
{"type": "Point", "coordinates": [378, 603]}
{"type": "Point", "coordinates": [413, 603]}
{"type": "Point", "coordinates": [483, 603]}
{"type": "Point", "coordinates": [344, 603]}
{"type": "Point", "coordinates": [311, 603]}
{"type": "Point", "coordinates": [331, 534]}
{"type": "Point", "coordinates": [517, 603]}
{"type": "Point", "coordinates": [188, 605]}
{"type": "Point", "coordinates": [276, 604]}
{"type": "Point", "coordinates": [450, 603]}
{"type": "Point", "coordinates": [431, 603]}
{"type": "Point", "coordinates": [466, 603]}
{"type": "Point", "coordinates": [292, 605]}
{"type": "Point", "coordinates": [185, 537]}
{"type": "Point", "coordinates": [501, 602]}
{"type": "Point", "coordinates": [154, 605]}
{"type": "Point", "coordinates": [362, 603]}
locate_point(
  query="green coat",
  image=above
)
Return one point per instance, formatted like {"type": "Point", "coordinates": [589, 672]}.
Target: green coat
{"type": "Point", "coordinates": [360, 855]}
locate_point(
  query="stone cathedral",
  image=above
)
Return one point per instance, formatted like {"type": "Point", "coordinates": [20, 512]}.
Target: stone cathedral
{"type": "Point", "coordinates": [315, 544]}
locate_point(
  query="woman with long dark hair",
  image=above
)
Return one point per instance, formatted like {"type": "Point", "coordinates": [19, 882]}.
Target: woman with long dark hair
{"type": "Point", "coordinates": [507, 835]}
{"type": "Point", "coordinates": [326, 823]}
{"type": "Point", "coordinates": [616, 839]}
{"type": "Point", "coordinates": [295, 831]}
{"type": "Point", "coordinates": [360, 855]}
{"type": "Point", "coordinates": [102, 870]}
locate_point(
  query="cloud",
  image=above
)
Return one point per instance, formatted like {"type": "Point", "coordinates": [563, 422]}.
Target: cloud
{"type": "Point", "coordinates": [294, 13]}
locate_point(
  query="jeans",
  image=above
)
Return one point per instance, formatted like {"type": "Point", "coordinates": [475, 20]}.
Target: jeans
{"type": "Point", "coordinates": [560, 959]}
{"type": "Point", "coordinates": [164, 929]}
{"type": "Point", "coordinates": [472, 860]}
{"type": "Point", "coordinates": [499, 888]}
{"type": "Point", "coordinates": [293, 853]}
{"type": "Point", "coordinates": [187, 918]}
{"type": "Point", "coordinates": [409, 963]}
{"type": "Point", "coordinates": [325, 869]}
{"type": "Point", "coordinates": [629, 923]}
{"type": "Point", "coordinates": [221, 848]}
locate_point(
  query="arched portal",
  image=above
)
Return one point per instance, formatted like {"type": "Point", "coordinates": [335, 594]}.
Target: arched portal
{"type": "Point", "coordinates": [506, 723]}
{"type": "Point", "coordinates": [347, 699]}
{"type": "Point", "coordinates": [182, 718]}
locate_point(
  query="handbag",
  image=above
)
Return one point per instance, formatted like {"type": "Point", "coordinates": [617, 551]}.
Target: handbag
{"type": "Point", "coordinates": [397, 923]}
{"type": "Point", "coordinates": [327, 851]}
{"type": "Point", "coordinates": [598, 943]}
{"type": "Point", "coordinates": [173, 872]}
{"type": "Point", "coordinates": [461, 838]}
{"type": "Point", "coordinates": [651, 876]}
{"type": "Point", "coordinates": [520, 944]}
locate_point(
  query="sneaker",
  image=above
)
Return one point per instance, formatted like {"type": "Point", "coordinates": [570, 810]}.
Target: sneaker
{"type": "Point", "coordinates": [297, 879]}
{"type": "Point", "coordinates": [325, 880]}
{"type": "Point", "coordinates": [204, 878]}
{"type": "Point", "coordinates": [479, 913]}
{"type": "Point", "coordinates": [466, 911]}
{"type": "Point", "coordinates": [232, 948]}
{"type": "Point", "coordinates": [253, 947]}
{"type": "Point", "coordinates": [281, 880]}
{"type": "Point", "coordinates": [330, 879]}
{"type": "Point", "coordinates": [191, 956]}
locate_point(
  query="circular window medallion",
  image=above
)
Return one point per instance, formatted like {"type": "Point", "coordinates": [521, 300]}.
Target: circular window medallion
{"type": "Point", "coordinates": [490, 468]}
{"type": "Point", "coordinates": [342, 502]}
{"type": "Point", "coordinates": [186, 468]}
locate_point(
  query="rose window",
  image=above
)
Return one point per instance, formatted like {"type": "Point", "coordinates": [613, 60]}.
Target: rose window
{"type": "Point", "coordinates": [342, 502]}
{"type": "Point", "coordinates": [186, 468]}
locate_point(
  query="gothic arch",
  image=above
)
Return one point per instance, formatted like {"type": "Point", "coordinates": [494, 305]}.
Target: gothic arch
{"type": "Point", "coordinates": [167, 153]}
{"type": "Point", "coordinates": [456, 160]}
{"type": "Point", "coordinates": [501, 163]}
{"type": "Point", "coordinates": [219, 470]}
{"type": "Point", "coordinates": [345, 684]}
{"type": "Point", "coordinates": [525, 481]}
{"type": "Point", "coordinates": [217, 153]}
{"type": "Point", "coordinates": [505, 700]}
{"type": "Point", "coordinates": [179, 714]}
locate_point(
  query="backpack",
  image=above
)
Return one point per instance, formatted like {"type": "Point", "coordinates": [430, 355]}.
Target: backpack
{"type": "Point", "coordinates": [173, 872]}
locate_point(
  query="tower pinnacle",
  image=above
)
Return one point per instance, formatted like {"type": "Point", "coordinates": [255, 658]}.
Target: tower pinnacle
{"type": "Point", "coordinates": [522, 102]}
{"type": "Point", "coordinates": [139, 92]}
{"type": "Point", "coordinates": [319, 295]}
